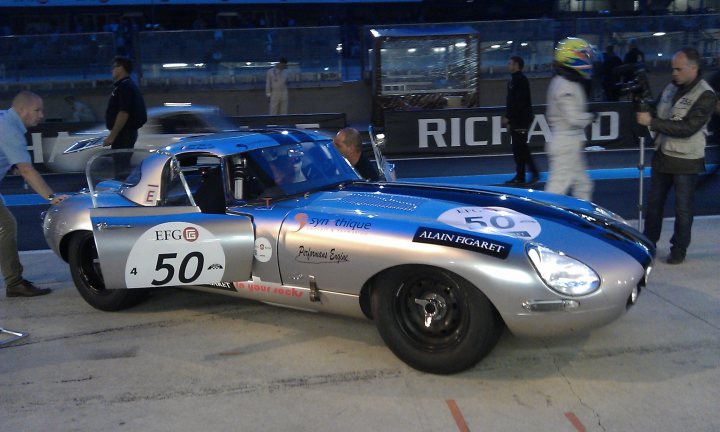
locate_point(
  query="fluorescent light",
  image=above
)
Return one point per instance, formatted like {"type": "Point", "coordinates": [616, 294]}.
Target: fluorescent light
{"type": "Point", "coordinates": [174, 65]}
{"type": "Point", "coordinates": [177, 104]}
{"type": "Point", "coordinates": [659, 34]}
{"type": "Point", "coordinates": [461, 44]}
{"type": "Point", "coordinates": [495, 46]}
{"type": "Point", "coordinates": [411, 50]}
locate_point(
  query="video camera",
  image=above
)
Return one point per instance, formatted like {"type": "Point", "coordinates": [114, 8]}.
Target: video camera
{"type": "Point", "coordinates": [638, 87]}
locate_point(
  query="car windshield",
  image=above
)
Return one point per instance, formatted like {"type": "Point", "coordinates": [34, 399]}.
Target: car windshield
{"type": "Point", "coordinates": [289, 169]}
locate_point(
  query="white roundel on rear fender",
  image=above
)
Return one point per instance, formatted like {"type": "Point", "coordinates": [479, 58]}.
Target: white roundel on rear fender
{"type": "Point", "coordinates": [175, 253]}
{"type": "Point", "coordinates": [492, 219]}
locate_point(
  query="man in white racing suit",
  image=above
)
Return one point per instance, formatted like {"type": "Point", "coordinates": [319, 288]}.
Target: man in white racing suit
{"type": "Point", "coordinates": [568, 116]}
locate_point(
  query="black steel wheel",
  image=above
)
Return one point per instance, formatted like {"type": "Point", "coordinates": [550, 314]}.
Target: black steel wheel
{"type": "Point", "coordinates": [433, 320]}
{"type": "Point", "coordinates": [86, 273]}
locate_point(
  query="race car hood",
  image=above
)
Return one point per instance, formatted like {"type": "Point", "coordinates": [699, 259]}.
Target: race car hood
{"type": "Point", "coordinates": [508, 213]}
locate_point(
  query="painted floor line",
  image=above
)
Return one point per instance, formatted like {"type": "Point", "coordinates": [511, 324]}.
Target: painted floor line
{"type": "Point", "coordinates": [577, 424]}
{"type": "Point", "coordinates": [457, 415]}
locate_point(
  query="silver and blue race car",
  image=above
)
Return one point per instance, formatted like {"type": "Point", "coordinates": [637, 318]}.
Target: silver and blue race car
{"type": "Point", "coordinates": [279, 216]}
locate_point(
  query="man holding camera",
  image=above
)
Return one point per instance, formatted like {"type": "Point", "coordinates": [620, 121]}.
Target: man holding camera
{"type": "Point", "coordinates": [679, 124]}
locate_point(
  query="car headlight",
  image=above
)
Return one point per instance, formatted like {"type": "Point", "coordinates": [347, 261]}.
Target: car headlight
{"type": "Point", "coordinates": [561, 273]}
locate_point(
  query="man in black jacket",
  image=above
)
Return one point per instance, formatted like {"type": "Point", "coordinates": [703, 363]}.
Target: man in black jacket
{"type": "Point", "coordinates": [349, 144]}
{"type": "Point", "coordinates": [518, 118]}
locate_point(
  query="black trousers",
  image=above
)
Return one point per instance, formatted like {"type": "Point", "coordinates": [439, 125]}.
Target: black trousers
{"type": "Point", "coordinates": [125, 140]}
{"type": "Point", "coordinates": [521, 153]}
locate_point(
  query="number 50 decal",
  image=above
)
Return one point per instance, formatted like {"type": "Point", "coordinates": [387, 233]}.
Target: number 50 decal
{"type": "Point", "coordinates": [163, 264]}
{"type": "Point", "coordinates": [175, 253]}
{"type": "Point", "coordinates": [498, 220]}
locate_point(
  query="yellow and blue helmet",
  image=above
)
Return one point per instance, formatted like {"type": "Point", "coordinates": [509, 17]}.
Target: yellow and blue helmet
{"type": "Point", "coordinates": [575, 53]}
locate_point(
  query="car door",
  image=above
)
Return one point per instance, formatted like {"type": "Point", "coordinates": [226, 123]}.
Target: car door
{"type": "Point", "coordinates": [146, 247]}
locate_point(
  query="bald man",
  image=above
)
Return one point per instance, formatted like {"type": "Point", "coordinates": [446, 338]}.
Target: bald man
{"type": "Point", "coordinates": [349, 144]}
{"type": "Point", "coordinates": [26, 111]}
{"type": "Point", "coordinates": [680, 125]}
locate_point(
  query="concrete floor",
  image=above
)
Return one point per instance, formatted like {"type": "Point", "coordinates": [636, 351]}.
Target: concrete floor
{"type": "Point", "coordinates": [188, 361]}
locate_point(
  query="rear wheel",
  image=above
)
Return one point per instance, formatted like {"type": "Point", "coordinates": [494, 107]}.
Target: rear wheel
{"type": "Point", "coordinates": [86, 273]}
{"type": "Point", "coordinates": [433, 320]}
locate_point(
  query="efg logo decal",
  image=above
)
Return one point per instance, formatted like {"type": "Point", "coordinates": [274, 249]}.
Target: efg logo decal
{"type": "Point", "coordinates": [462, 241]}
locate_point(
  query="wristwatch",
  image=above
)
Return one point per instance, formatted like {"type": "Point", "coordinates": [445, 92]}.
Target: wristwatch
{"type": "Point", "coordinates": [51, 197]}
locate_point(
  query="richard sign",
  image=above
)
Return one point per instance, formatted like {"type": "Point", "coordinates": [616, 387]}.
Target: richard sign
{"type": "Point", "coordinates": [471, 131]}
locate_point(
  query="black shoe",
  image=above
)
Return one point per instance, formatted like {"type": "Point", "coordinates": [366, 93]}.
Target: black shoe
{"type": "Point", "coordinates": [515, 182]}
{"type": "Point", "coordinates": [675, 258]}
{"type": "Point", "coordinates": [25, 289]}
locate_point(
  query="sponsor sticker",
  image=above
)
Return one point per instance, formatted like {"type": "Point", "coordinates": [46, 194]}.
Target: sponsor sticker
{"type": "Point", "coordinates": [333, 224]}
{"type": "Point", "coordinates": [465, 241]}
{"type": "Point", "coordinates": [308, 254]}
{"type": "Point", "coordinates": [263, 249]}
{"type": "Point", "coordinates": [498, 220]}
{"type": "Point", "coordinates": [175, 253]}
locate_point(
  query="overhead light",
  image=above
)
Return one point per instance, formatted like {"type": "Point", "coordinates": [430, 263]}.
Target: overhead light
{"type": "Point", "coordinates": [659, 34]}
{"type": "Point", "coordinates": [509, 42]}
{"type": "Point", "coordinates": [496, 46]}
{"type": "Point", "coordinates": [411, 50]}
{"type": "Point", "coordinates": [461, 44]}
{"type": "Point", "coordinates": [177, 104]}
{"type": "Point", "coordinates": [523, 44]}
{"type": "Point", "coordinates": [174, 65]}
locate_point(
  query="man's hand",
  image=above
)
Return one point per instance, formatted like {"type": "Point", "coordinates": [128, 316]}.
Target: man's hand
{"type": "Point", "coordinates": [107, 142]}
{"type": "Point", "coordinates": [57, 199]}
{"type": "Point", "coordinates": [644, 118]}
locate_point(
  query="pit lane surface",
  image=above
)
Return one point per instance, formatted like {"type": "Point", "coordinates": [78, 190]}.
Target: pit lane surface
{"type": "Point", "coordinates": [188, 361]}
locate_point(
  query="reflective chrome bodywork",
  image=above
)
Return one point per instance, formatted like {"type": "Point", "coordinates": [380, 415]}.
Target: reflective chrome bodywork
{"type": "Point", "coordinates": [323, 239]}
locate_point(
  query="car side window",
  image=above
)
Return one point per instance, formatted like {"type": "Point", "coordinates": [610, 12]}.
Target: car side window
{"type": "Point", "coordinates": [204, 177]}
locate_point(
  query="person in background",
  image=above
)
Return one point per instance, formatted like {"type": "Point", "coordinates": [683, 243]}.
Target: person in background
{"type": "Point", "coordinates": [276, 88]}
{"type": "Point", "coordinates": [26, 111]}
{"type": "Point", "coordinates": [518, 118]}
{"type": "Point", "coordinates": [79, 111]}
{"type": "Point", "coordinates": [125, 113]}
{"type": "Point", "coordinates": [567, 115]}
{"type": "Point", "coordinates": [680, 122]}
{"type": "Point", "coordinates": [633, 56]}
{"type": "Point", "coordinates": [609, 78]}
{"type": "Point", "coordinates": [348, 143]}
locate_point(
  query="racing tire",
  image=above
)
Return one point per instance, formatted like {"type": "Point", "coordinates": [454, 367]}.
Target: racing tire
{"type": "Point", "coordinates": [86, 273]}
{"type": "Point", "coordinates": [433, 320]}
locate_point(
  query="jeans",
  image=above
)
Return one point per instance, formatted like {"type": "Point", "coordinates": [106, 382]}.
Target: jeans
{"type": "Point", "coordinates": [9, 259]}
{"type": "Point", "coordinates": [660, 184]}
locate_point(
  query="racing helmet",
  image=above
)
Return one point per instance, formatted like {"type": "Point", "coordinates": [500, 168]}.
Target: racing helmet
{"type": "Point", "coordinates": [575, 53]}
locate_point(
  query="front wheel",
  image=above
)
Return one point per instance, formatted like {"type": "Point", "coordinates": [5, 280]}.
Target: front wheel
{"type": "Point", "coordinates": [86, 273]}
{"type": "Point", "coordinates": [433, 320]}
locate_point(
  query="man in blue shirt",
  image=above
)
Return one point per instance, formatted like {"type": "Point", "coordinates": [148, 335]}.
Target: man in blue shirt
{"type": "Point", "coordinates": [26, 111]}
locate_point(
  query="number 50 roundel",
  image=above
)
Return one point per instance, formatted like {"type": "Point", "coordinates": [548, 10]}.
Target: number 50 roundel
{"type": "Point", "coordinates": [175, 253]}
